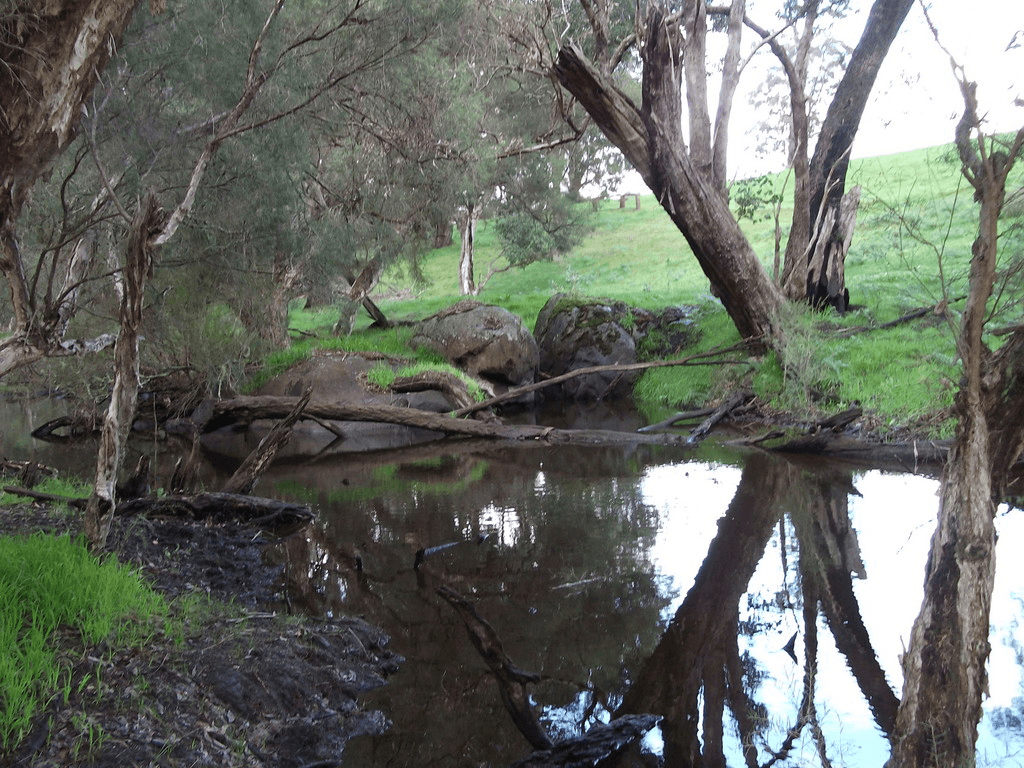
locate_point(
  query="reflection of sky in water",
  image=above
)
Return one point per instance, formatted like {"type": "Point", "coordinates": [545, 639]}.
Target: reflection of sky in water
{"type": "Point", "coordinates": [894, 519]}
{"type": "Point", "coordinates": [501, 522]}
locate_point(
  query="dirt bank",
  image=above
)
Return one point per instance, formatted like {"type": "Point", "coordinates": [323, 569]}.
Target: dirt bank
{"type": "Point", "coordinates": [243, 685]}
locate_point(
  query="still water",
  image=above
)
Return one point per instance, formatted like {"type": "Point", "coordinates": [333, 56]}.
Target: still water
{"type": "Point", "coordinates": [642, 580]}
{"type": "Point", "coordinates": [762, 603]}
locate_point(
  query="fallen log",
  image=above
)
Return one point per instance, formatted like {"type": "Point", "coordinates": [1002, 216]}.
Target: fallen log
{"type": "Point", "coordinates": [245, 410]}
{"type": "Point", "coordinates": [735, 401]}
{"type": "Point", "coordinates": [677, 419]}
{"type": "Point", "coordinates": [77, 427]}
{"type": "Point", "coordinates": [269, 514]}
{"type": "Point", "coordinates": [71, 501]}
{"type": "Point", "coordinates": [907, 456]}
{"type": "Point", "coordinates": [448, 384]}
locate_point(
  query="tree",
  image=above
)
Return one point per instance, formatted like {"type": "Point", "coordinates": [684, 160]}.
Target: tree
{"type": "Point", "coordinates": [944, 667]}
{"type": "Point", "coordinates": [52, 59]}
{"type": "Point", "coordinates": [689, 178]}
{"type": "Point", "coordinates": [286, 64]}
{"type": "Point", "coordinates": [521, 159]}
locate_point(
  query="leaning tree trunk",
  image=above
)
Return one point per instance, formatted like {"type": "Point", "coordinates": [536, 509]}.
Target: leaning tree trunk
{"type": "Point", "coordinates": [651, 138]}
{"type": "Point", "coordinates": [123, 398]}
{"type": "Point", "coordinates": [944, 667]}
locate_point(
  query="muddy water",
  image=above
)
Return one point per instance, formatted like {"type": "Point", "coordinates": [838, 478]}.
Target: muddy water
{"type": "Point", "coordinates": [641, 580]}
{"type": "Point", "coordinates": [707, 583]}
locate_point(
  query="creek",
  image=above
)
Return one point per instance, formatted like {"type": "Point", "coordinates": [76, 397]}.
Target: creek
{"type": "Point", "coordinates": [708, 581]}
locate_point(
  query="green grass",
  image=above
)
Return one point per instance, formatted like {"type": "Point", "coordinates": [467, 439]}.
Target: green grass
{"type": "Point", "coordinates": [51, 584]}
{"type": "Point", "coordinates": [911, 249]}
{"type": "Point", "coordinates": [55, 485]}
{"type": "Point", "coordinates": [383, 376]}
{"type": "Point", "coordinates": [392, 342]}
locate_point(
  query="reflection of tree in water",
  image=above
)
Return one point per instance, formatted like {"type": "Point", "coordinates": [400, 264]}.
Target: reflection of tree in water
{"type": "Point", "coordinates": [567, 582]}
{"type": "Point", "coordinates": [697, 672]}
{"type": "Point", "coordinates": [569, 587]}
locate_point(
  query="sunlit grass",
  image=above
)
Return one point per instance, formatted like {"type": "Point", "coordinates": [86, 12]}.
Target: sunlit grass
{"type": "Point", "coordinates": [50, 583]}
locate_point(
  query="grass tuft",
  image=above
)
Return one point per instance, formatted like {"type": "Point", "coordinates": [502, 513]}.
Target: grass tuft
{"type": "Point", "coordinates": [49, 583]}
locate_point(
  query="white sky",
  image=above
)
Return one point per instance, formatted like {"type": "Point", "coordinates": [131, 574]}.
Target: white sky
{"type": "Point", "coordinates": [916, 101]}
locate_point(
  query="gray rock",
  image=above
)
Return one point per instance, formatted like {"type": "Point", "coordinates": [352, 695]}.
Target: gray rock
{"type": "Point", "coordinates": [485, 341]}
{"type": "Point", "coordinates": [575, 333]}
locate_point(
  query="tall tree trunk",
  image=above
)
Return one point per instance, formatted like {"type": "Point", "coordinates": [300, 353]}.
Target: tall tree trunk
{"type": "Point", "coordinates": [695, 73]}
{"type": "Point", "coordinates": [726, 96]}
{"type": "Point", "coordinates": [118, 421]}
{"type": "Point", "coordinates": [358, 294]}
{"type": "Point", "coordinates": [467, 218]}
{"type": "Point", "coordinates": [651, 139]}
{"type": "Point", "coordinates": [944, 667]}
{"type": "Point", "coordinates": [286, 275]}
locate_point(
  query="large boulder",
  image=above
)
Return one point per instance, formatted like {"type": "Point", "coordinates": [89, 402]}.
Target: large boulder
{"type": "Point", "coordinates": [575, 333]}
{"type": "Point", "coordinates": [485, 341]}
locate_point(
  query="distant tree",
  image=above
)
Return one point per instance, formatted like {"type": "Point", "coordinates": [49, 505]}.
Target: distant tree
{"type": "Point", "coordinates": [522, 157]}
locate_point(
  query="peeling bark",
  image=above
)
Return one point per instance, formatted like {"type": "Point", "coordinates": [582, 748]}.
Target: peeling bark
{"type": "Point", "coordinates": [121, 412]}
{"type": "Point", "coordinates": [944, 667]}
{"type": "Point", "coordinates": [52, 59]}
{"type": "Point", "coordinates": [466, 220]}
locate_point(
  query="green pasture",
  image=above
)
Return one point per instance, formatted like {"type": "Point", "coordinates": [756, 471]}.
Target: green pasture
{"type": "Point", "coordinates": [912, 246]}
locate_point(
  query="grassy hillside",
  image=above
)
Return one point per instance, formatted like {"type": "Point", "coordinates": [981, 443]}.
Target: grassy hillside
{"type": "Point", "coordinates": [915, 227]}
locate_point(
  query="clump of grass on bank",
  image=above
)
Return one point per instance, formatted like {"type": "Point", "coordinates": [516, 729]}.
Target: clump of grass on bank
{"type": "Point", "coordinates": [392, 342]}
{"type": "Point", "coordinates": [383, 376]}
{"type": "Point", "coordinates": [50, 584]}
{"type": "Point", "coordinates": [55, 485]}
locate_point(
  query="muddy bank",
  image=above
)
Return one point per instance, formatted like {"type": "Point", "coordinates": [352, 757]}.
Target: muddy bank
{"type": "Point", "coordinates": [244, 684]}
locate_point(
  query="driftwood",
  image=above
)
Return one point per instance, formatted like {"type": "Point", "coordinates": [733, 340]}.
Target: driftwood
{"type": "Point", "coordinates": [185, 476]}
{"type": "Point", "coordinates": [222, 508]}
{"type": "Point", "coordinates": [244, 410]}
{"type": "Point", "coordinates": [735, 401]}
{"type": "Point", "coordinates": [600, 742]}
{"type": "Point", "coordinates": [245, 477]}
{"type": "Point", "coordinates": [77, 427]}
{"type": "Point", "coordinates": [448, 384]}
{"type": "Point", "coordinates": [908, 456]}
{"type": "Point", "coordinates": [838, 421]}
{"type": "Point", "coordinates": [701, 358]}
{"type": "Point", "coordinates": [677, 419]}
{"type": "Point", "coordinates": [938, 310]}
{"type": "Point", "coordinates": [139, 484]}
{"type": "Point", "coordinates": [711, 416]}
{"type": "Point", "coordinates": [29, 472]}
{"type": "Point", "coordinates": [511, 679]}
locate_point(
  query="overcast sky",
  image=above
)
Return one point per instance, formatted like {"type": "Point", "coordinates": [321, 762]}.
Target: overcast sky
{"type": "Point", "coordinates": [916, 101]}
